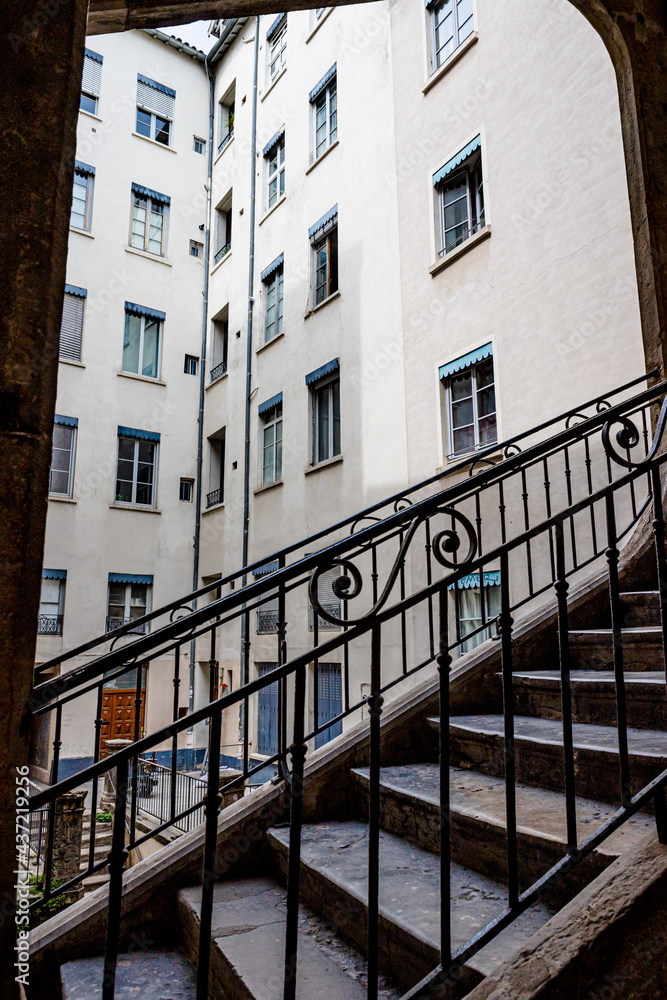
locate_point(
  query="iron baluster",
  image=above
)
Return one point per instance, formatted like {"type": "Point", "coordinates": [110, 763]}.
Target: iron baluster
{"type": "Point", "coordinates": [282, 683]}
{"type": "Point", "coordinates": [526, 523]}
{"type": "Point", "coordinates": [505, 629]}
{"type": "Point", "coordinates": [57, 743]}
{"type": "Point", "coordinates": [617, 640]}
{"type": "Point", "coordinates": [295, 787]}
{"type": "Point", "coordinates": [561, 587]}
{"type": "Point", "coordinates": [246, 701]}
{"type": "Point", "coordinates": [212, 801]}
{"type": "Point", "coordinates": [589, 479]}
{"type": "Point", "coordinates": [661, 561]}
{"type": "Point", "coordinates": [117, 858]}
{"type": "Point", "coordinates": [135, 767]}
{"type": "Point", "coordinates": [444, 660]}
{"type": "Point", "coordinates": [99, 722]}
{"type": "Point", "coordinates": [429, 581]}
{"type": "Point", "coordinates": [404, 636]}
{"type": "Point", "coordinates": [547, 500]}
{"type": "Point", "coordinates": [375, 701]}
{"type": "Point", "coordinates": [374, 573]}
{"type": "Point", "coordinates": [568, 482]}
{"type": "Point", "coordinates": [501, 510]}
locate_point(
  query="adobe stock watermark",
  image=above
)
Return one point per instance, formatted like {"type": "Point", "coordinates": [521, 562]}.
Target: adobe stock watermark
{"type": "Point", "coordinates": [22, 885]}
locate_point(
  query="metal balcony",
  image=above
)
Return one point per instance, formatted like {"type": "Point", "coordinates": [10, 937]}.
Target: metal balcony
{"type": "Point", "coordinates": [50, 625]}
{"type": "Point", "coordinates": [218, 370]}
{"type": "Point", "coordinates": [114, 623]}
{"type": "Point", "coordinates": [213, 498]}
{"type": "Point", "coordinates": [222, 252]}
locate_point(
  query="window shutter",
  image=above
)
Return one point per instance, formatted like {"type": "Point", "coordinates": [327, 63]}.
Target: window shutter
{"type": "Point", "coordinates": [71, 328]}
{"type": "Point", "coordinates": [155, 100]}
{"type": "Point", "coordinates": [325, 592]}
{"type": "Point", "coordinates": [90, 82]}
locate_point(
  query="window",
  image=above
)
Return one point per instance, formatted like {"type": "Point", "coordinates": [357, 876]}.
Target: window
{"type": "Point", "coordinates": [216, 469]}
{"type": "Point", "coordinates": [142, 340]}
{"type": "Point", "coordinates": [136, 467]}
{"type": "Point", "coordinates": [271, 413]}
{"type": "Point", "coordinates": [185, 490]}
{"type": "Point", "coordinates": [277, 39]}
{"type": "Point", "coordinates": [326, 413]}
{"type": "Point", "coordinates": [223, 227]}
{"type": "Point", "coordinates": [150, 211]}
{"type": "Point", "coordinates": [196, 249]}
{"type": "Point", "coordinates": [274, 157]}
{"type": "Point", "coordinates": [468, 604]}
{"type": "Point", "coordinates": [71, 326]}
{"type": "Point", "coordinates": [267, 713]}
{"type": "Point", "coordinates": [451, 23]}
{"type": "Point", "coordinates": [90, 82]}
{"type": "Point", "coordinates": [328, 600]}
{"type": "Point", "coordinates": [267, 615]}
{"type": "Point", "coordinates": [129, 598]}
{"type": "Point", "coordinates": [191, 364]}
{"type": "Point", "coordinates": [272, 277]}
{"type": "Point", "coordinates": [155, 110]}
{"type": "Point", "coordinates": [82, 196]}
{"type": "Point", "coordinates": [324, 241]}
{"type": "Point", "coordinates": [199, 145]}
{"type": "Point", "coordinates": [219, 344]}
{"type": "Point", "coordinates": [460, 190]}
{"type": "Point", "coordinates": [61, 477]}
{"type": "Point", "coordinates": [226, 118]}
{"type": "Point", "coordinates": [329, 701]}
{"type": "Point", "coordinates": [323, 99]}
{"type": "Point", "coordinates": [52, 602]}
{"type": "Point", "coordinates": [471, 401]}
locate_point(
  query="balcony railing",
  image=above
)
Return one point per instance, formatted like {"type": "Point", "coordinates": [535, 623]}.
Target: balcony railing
{"type": "Point", "coordinates": [226, 140]}
{"type": "Point", "coordinates": [213, 498]}
{"type": "Point", "coordinates": [222, 252]}
{"type": "Point", "coordinates": [466, 234]}
{"type": "Point", "coordinates": [141, 627]}
{"type": "Point", "coordinates": [218, 370]}
{"type": "Point", "coordinates": [50, 625]}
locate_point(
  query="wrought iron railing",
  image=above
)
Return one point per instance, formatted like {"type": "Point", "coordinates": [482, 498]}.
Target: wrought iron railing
{"type": "Point", "coordinates": [219, 254]}
{"type": "Point", "coordinates": [213, 498]}
{"type": "Point", "coordinates": [139, 625]}
{"type": "Point", "coordinates": [50, 625]}
{"type": "Point", "coordinates": [539, 518]}
{"type": "Point", "coordinates": [163, 792]}
{"type": "Point", "coordinates": [226, 140]}
{"type": "Point", "coordinates": [218, 370]}
{"type": "Point", "coordinates": [476, 227]}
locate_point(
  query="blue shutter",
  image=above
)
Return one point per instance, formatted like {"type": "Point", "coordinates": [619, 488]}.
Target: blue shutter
{"type": "Point", "coordinates": [267, 715]}
{"type": "Point", "coordinates": [329, 701]}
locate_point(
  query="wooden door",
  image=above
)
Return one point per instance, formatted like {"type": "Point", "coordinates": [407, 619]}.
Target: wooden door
{"type": "Point", "coordinates": [118, 714]}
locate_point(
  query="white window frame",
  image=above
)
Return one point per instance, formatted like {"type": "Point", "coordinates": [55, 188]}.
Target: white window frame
{"type": "Point", "coordinates": [457, 39]}
{"type": "Point", "coordinates": [476, 389]}
{"type": "Point", "coordinates": [197, 247]}
{"type": "Point", "coordinates": [153, 115]}
{"type": "Point", "coordinates": [329, 95]}
{"type": "Point", "coordinates": [135, 484]}
{"type": "Point", "coordinates": [491, 597]}
{"type": "Point", "coordinates": [72, 457]}
{"type": "Point", "coordinates": [198, 139]}
{"type": "Point", "coordinates": [472, 174]}
{"type": "Point", "coordinates": [71, 303]}
{"type": "Point", "coordinates": [317, 392]}
{"type": "Point", "coordinates": [274, 284]}
{"type": "Point", "coordinates": [191, 484]}
{"type": "Point", "coordinates": [92, 91]}
{"type": "Point", "coordinates": [127, 604]}
{"type": "Point", "coordinates": [191, 364]}
{"type": "Point", "coordinates": [277, 51]}
{"type": "Point", "coordinates": [272, 437]}
{"type": "Point", "coordinates": [142, 332]}
{"type": "Point", "coordinates": [317, 243]}
{"type": "Point", "coordinates": [86, 182]}
{"type": "Point", "coordinates": [275, 172]}
{"type": "Point", "coordinates": [144, 243]}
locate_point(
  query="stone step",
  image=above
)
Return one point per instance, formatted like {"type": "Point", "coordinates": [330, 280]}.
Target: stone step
{"type": "Point", "coordinates": [640, 607]}
{"type": "Point", "coordinates": [477, 742]}
{"type": "Point", "coordinates": [150, 975]}
{"type": "Point", "coordinates": [538, 693]}
{"type": "Point", "coordinates": [95, 881]}
{"type": "Point", "coordinates": [334, 881]}
{"type": "Point", "coordinates": [592, 649]}
{"type": "Point", "coordinates": [410, 808]}
{"type": "Point", "coordinates": [248, 946]}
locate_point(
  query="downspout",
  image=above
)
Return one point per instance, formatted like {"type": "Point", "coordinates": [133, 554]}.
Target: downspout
{"type": "Point", "coordinates": [202, 376]}
{"type": "Point", "coordinates": [251, 301]}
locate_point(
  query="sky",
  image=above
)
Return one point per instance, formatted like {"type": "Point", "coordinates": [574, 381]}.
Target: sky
{"type": "Point", "coordinates": [194, 34]}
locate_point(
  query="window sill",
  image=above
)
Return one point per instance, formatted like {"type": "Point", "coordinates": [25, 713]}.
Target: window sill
{"type": "Point", "coordinates": [138, 507]}
{"type": "Point", "coordinates": [59, 499]}
{"type": "Point", "coordinates": [273, 83]}
{"type": "Point", "coordinates": [149, 256]}
{"type": "Point", "coordinates": [336, 460]}
{"type": "Point", "coordinates": [221, 261]}
{"type": "Point", "coordinates": [471, 457]}
{"type": "Point", "coordinates": [322, 156]}
{"type": "Point", "coordinates": [218, 156]}
{"type": "Point", "coordinates": [81, 232]}
{"type": "Point", "coordinates": [449, 62]}
{"type": "Point", "coordinates": [216, 506]}
{"type": "Point", "coordinates": [216, 380]}
{"type": "Point", "coordinates": [153, 142]}
{"type": "Point", "coordinates": [271, 210]}
{"type": "Point", "coordinates": [141, 378]}
{"type": "Point", "coordinates": [89, 114]}
{"type": "Point", "coordinates": [453, 255]}
{"type": "Point", "coordinates": [319, 24]}
{"type": "Point", "coordinates": [267, 343]}
{"type": "Point", "coordinates": [321, 305]}
{"type": "Point", "coordinates": [269, 486]}
{"type": "Point", "coordinates": [68, 361]}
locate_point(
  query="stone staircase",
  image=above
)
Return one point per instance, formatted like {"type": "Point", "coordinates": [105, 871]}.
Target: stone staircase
{"type": "Point", "coordinates": [249, 911]}
{"type": "Point", "coordinates": [102, 848]}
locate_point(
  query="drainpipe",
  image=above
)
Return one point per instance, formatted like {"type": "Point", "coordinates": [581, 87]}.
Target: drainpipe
{"type": "Point", "coordinates": [251, 301]}
{"type": "Point", "coordinates": [202, 376]}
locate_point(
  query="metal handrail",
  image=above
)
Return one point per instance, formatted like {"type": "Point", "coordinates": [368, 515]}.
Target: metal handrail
{"type": "Point", "coordinates": [446, 550]}
{"type": "Point", "coordinates": [222, 252]}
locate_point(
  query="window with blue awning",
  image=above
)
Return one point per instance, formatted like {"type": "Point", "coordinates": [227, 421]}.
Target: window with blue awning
{"type": "Point", "coordinates": [270, 403]}
{"type": "Point", "coordinates": [130, 578]}
{"type": "Point", "coordinates": [466, 361]}
{"type": "Point", "coordinates": [319, 87]}
{"type": "Point", "coordinates": [54, 574]}
{"type": "Point", "coordinates": [266, 568]}
{"type": "Point", "coordinates": [328, 219]}
{"type": "Point", "coordinates": [273, 266]}
{"type": "Point", "coordinates": [146, 192]}
{"type": "Point", "coordinates": [66, 421]}
{"type": "Point", "coordinates": [133, 432]}
{"type": "Point", "coordinates": [136, 310]}
{"type": "Point", "coordinates": [320, 373]}
{"type": "Point", "coordinates": [457, 160]}
{"type": "Point", "coordinates": [491, 579]}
